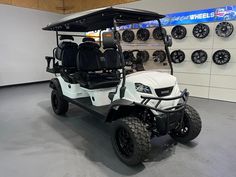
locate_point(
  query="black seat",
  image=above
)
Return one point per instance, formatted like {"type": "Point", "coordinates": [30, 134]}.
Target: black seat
{"type": "Point", "coordinates": [93, 67]}
{"type": "Point", "coordinates": [66, 52]}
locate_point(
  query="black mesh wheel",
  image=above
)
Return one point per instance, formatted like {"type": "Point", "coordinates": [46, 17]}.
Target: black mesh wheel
{"type": "Point", "coordinates": [158, 32]}
{"type": "Point", "coordinates": [177, 56]}
{"type": "Point", "coordinates": [142, 56]}
{"type": "Point", "coordinates": [199, 57]}
{"type": "Point", "coordinates": [143, 34]}
{"type": "Point", "coordinates": [178, 32]}
{"type": "Point", "coordinates": [224, 29]}
{"type": "Point", "coordinates": [159, 56]}
{"type": "Point", "coordinates": [128, 36]}
{"type": "Point", "coordinates": [221, 57]}
{"type": "Point", "coordinates": [201, 31]}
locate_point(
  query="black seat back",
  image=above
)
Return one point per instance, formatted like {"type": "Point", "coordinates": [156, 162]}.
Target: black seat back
{"type": "Point", "coordinates": [66, 52]}
{"type": "Point", "coordinates": [89, 57]}
{"type": "Point", "coordinates": [112, 57]}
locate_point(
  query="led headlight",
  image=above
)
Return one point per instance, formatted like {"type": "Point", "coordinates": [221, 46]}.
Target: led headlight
{"type": "Point", "coordinates": [142, 88]}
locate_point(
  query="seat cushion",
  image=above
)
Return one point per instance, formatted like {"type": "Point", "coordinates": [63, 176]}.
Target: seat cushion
{"type": "Point", "coordinates": [99, 80]}
{"type": "Point", "coordinates": [112, 59]}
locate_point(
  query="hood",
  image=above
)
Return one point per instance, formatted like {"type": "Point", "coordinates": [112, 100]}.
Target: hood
{"type": "Point", "coordinates": [153, 79]}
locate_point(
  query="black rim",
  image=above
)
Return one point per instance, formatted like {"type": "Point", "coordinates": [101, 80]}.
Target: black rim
{"type": "Point", "coordinates": [124, 142]}
{"type": "Point", "coordinates": [54, 101]}
{"type": "Point", "coordinates": [185, 128]}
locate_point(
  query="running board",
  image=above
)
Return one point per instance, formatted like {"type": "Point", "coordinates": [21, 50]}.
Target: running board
{"type": "Point", "coordinates": [85, 103]}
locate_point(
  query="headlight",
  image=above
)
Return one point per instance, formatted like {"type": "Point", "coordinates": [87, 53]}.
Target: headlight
{"type": "Point", "coordinates": [142, 88]}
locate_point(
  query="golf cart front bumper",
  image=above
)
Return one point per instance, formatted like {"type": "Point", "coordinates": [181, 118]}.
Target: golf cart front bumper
{"type": "Point", "coordinates": [169, 118]}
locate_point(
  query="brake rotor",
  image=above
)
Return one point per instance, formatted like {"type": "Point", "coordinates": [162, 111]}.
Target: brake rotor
{"type": "Point", "coordinates": [178, 32]}
{"type": "Point", "coordinates": [221, 57]}
{"type": "Point", "coordinates": [199, 57]}
{"type": "Point", "coordinates": [159, 56]}
{"type": "Point", "coordinates": [143, 34]}
{"type": "Point", "coordinates": [224, 29]}
{"type": "Point", "coordinates": [142, 56]}
{"type": "Point", "coordinates": [201, 31]}
{"type": "Point", "coordinates": [158, 32]}
{"type": "Point", "coordinates": [128, 35]}
{"type": "Point", "coordinates": [177, 56]}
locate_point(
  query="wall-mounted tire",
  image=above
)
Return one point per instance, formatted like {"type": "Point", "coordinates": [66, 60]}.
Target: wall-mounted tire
{"type": "Point", "coordinates": [128, 35]}
{"type": "Point", "coordinates": [201, 31]}
{"type": "Point", "coordinates": [143, 34]}
{"type": "Point", "coordinates": [177, 56]}
{"type": "Point", "coordinates": [132, 133]}
{"type": "Point", "coordinates": [159, 56]}
{"type": "Point", "coordinates": [142, 56]}
{"type": "Point", "coordinates": [224, 29]}
{"type": "Point", "coordinates": [158, 33]}
{"type": "Point", "coordinates": [179, 32]}
{"type": "Point", "coordinates": [221, 57]}
{"type": "Point", "coordinates": [199, 57]}
{"type": "Point", "coordinates": [59, 105]}
{"type": "Point", "coordinates": [117, 35]}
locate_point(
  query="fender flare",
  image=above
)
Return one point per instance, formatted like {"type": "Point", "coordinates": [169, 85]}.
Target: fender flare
{"type": "Point", "coordinates": [115, 106]}
{"type": "Point", "coordinates": [55, 84]}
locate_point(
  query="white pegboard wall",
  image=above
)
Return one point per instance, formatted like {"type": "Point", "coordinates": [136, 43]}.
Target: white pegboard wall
{"type": "Point", "coordinates": [206, 80]}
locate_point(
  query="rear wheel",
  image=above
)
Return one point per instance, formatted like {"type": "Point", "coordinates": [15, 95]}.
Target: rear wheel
{"type": "Point", "coordinates": [130, 140]}
{"type": "Point", "coordinates": [191, 126]}
{"type": "Point", "coordinates": [59, 105]}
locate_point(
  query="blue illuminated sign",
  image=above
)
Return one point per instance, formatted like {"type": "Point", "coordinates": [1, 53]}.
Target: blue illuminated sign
{"type": "Point", "coordinates": [227, 13]}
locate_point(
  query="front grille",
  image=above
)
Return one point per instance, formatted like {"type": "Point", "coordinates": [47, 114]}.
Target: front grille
{"type": "Point", "coordinates": [164, 91]}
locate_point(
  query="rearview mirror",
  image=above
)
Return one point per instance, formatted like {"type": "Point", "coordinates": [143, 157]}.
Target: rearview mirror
{"type": "Point", "coordinates": [168, 40]}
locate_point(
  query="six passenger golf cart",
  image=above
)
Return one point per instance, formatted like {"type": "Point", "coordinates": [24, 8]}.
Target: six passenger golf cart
{"type": "Point", "coordinates": [140, 105]}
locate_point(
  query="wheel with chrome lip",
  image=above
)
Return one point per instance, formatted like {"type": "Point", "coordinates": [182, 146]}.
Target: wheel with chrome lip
{"type": "Point", "coordinates": [179, 32]}
{"type": "Point", "coordinates": [221, 57]}
{"type": "Point", "coordinates": [128, 36]}
{"type": "Point", "coordinates": [224, 29]}
{"type": "Point", "coordinates": [190, 127]}
{"type": "Point", "coordinates": [130, 140]}
{"type": "Point", "coordinates": [201, 31]}
{"type": "Point", "coordinates": [177, 56]}
{"type": "Point", "coordinates": [158, 33]}
{"type": "Point", "coordinates": [143, 34]}
{"type": "Point", "coordinates": [199, 57]}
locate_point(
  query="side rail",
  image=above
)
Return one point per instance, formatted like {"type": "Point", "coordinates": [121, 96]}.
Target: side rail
{"type": "Point", "coordinates": [183, 96]}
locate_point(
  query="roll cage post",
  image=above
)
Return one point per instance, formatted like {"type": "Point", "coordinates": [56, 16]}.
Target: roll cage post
{"type": "Point", "coordinates": [122, 88]}
{"type": "Point", "coordinates": [166, 48]}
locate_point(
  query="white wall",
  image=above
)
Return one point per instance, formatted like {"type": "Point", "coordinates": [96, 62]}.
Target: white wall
{"type": "Point", "coordinates": [23, 44]}
{"type": "Point", "coordinates": [172, 6]}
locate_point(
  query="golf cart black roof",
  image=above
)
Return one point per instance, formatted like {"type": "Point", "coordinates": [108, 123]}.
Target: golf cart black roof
{"type": "Point", "coordinates": [101, 19]}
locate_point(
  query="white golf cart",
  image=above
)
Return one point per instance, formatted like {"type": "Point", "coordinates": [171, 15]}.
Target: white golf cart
{"type": "Point", "coordinates": [140, 105]}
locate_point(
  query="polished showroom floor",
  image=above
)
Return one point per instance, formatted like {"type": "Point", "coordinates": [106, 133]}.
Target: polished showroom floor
{"type": "Point", "coordinates": [34, 142]}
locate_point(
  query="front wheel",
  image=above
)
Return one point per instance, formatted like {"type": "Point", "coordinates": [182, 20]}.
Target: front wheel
{"type": "Point", "coordinates": [191, 126]}
{"type": "Point", "coordinates": [59, 105]}
{"type": "Point", "coordinates": [130, 140]}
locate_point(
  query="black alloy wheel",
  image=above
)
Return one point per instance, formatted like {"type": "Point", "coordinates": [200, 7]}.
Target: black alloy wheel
{"type": "Point", "coordinates": [201, 31]}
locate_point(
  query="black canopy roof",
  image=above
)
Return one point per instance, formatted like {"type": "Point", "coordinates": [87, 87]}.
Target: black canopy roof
{"type": "Point", "coordinates": [101, 19]}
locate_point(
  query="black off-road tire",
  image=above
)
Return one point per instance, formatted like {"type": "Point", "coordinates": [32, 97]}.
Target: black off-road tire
{"type": "Point", "coordinates": [59, 105]}
{"type": "Point", "coordinates": [139, 136]}
{"type": "Point", "coordinates": [193, 122]}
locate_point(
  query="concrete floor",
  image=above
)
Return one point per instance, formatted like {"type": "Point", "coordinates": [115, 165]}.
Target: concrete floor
{"type": "Point", "coordinates": [34, 142]}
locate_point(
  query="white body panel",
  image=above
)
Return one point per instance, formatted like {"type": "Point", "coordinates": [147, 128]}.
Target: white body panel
{"type": "Point", "coordinates": [152, 79]}
{"type": "Point", "coordinates": [99, 97]}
